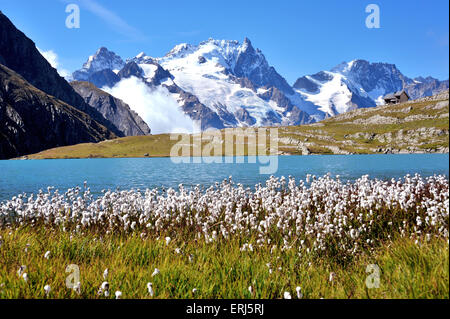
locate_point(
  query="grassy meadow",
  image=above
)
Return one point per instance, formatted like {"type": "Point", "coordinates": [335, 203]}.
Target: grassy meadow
{"type": "Point", "coordinates": [215, 270]}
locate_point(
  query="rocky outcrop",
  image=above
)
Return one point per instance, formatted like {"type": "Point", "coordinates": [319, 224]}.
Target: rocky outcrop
{"type": "Point", "coordinates": [115, 110]}
{"type": "Point", "coordinates": [103, 78]}
{"type": "Point", "coordinates": [32, 121]}
{"type": "Point", "coordinates": [251, 64]}
{"type": "Point", "coordinates": [423, 87]}
{"type": "Point", "coordinates": [198, 112]}
{"type": "Point", "coordinates": [20, 54]}
{"type": "Point", "coordinates": [292, 114]}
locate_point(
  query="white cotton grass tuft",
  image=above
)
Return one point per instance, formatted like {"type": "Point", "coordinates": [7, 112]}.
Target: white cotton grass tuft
{"type": "Point", "coordinates": [350, 212]}
{"type": "Point", "coordinates": [150, 289]}
{"type": "Point", "coordinates": [47, 289]}
{"type": "Point", "coordinates": [104, 289]}
{"type": "Point", "coordinates": [332, 277]}
{"type": "Point", "coordinates": [47, 254]}
{"type": "Point", "coordinates": [105, 274]}
{"type": "Point", "coordinates": [299, 292]}
{"type": "Point", "coordinates": [287, 295]}
{"type": "Point", "coordinates": [21, 270]}
{"type": "Point", "coordinates": [194, 291]}
{"type": "Point", "coordinates": [25, 277]}
{"type": "Point", "coordinates": [105, 285]}
{"type": "Point", "coordinates": [118, 294]}
{"type": "Point", "coordinates": [155, 272]}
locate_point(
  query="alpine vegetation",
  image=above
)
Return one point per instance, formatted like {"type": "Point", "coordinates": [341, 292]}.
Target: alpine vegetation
{"type": "Point", "coordinates": [322, 216]}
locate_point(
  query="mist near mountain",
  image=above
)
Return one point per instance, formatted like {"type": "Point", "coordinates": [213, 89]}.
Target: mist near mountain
{"type": "Point", "coordinates": [155, 106]}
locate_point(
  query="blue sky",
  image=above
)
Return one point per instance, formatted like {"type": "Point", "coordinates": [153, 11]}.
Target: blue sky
{"type": "Point", "coordinates": [298, 37]}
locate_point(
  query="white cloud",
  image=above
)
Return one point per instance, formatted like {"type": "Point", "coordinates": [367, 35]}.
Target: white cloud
{"type": "Point", "coordinates": [52, 58]}
{"type": "Point", "coordinates": [155, 106]}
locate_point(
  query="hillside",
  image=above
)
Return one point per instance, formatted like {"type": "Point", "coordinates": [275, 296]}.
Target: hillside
{"type": "Point", "coordinates": [420, 126]}
{"type": "Point", "coordinates": [19, 53]}
{"type": "Point", "coordinates": [31, 120]}
{"type": "Point", "coordinates": [113, 109]}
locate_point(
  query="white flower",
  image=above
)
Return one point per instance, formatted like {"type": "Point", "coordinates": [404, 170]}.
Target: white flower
{"type": "Point", "coordinates": [104, 287]}
{"type": "Point", "coordinates": [47, 289]}
{"type": "Point", "coordinates": [21, 270]}
{"type": "Point", "coordinates": [194, 291]}
{"type": "Point", "coordinates": [118, 294]}
{"type": "Point", "coordinates": [105, 273]}
{"type": "Point", "coordinates": [287, 295]}
{"type": "Point", "coordinates": [250, 290]}
{"type": "Point", "coordinates": [150, 289]}
{"type": "Point", "coordinates": [155, 272]}
{"type": "Point", "coordinates": [168, 239]}
{"type": "Point", "coordinates": [47, 255]}
{"type": "Point", "coordinates": [332, 276]}
{"type": "Point", "coordinates": [25, 276]}
{"type": "Point", "coordinates": [299, 292]}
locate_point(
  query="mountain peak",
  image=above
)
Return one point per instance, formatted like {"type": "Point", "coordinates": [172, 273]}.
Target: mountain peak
{"type": "Point", "coordinates": [103, 59]}
{"type": "Point", "coordinates": [141, 55]}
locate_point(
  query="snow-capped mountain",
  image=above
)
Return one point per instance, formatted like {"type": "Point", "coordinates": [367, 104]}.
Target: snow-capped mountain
{"type": "Point", "coordinates": [225, 83]}
{"type": "Point", "coordinates": [359, 83]}
{"type": "Point", "coordinates": [219, 83]}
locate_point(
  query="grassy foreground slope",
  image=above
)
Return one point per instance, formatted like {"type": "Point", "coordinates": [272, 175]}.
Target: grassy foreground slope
{"type": "Point", "coordinates": [215, 270]}
{"type": "Point", "coordinates": [420, 126]}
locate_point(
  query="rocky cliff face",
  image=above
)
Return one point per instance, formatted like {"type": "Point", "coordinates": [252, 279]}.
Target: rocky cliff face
{"type": "Point", "coordinates": [32, 121]}
{"type": "Point", "coordinates": [20, 54]}
{"type": "Point", "coordinates": [118, 112]}
{"type": "Point", "coordinates": [423, 87]}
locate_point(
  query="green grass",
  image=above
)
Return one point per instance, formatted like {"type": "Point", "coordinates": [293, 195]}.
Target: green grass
{"type": "Point", "coordinates": [218, 270]}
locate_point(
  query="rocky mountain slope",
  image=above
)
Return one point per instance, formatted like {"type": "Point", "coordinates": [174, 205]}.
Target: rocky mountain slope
{"type": "Point", "coordinates": [31, 120]}
{"type": "Point", "coordinates": [20, 54]}
{"type": "Point", "coordinates": [115, 110]}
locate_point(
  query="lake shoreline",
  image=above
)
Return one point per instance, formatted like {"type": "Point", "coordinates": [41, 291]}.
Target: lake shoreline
{"type": "Point", "coordinates": [25, 158]}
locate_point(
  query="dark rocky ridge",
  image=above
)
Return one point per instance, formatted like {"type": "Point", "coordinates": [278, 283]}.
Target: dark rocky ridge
{"type": "Point", "coordinates": [117, 111]}
{"type": "Point", "coordinates": [32, 121]}
{"type": "Point", "coordinates": [103, 78]}
{"type": "Point", "coordinates": [20, 54]}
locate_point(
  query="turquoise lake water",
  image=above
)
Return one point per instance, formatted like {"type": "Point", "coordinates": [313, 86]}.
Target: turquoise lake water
{"type": "Point", "coordinates": [29, 176]}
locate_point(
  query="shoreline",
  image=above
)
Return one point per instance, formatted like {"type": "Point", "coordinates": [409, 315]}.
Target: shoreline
{"type": "Point", "coordinates": [168, 156]}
